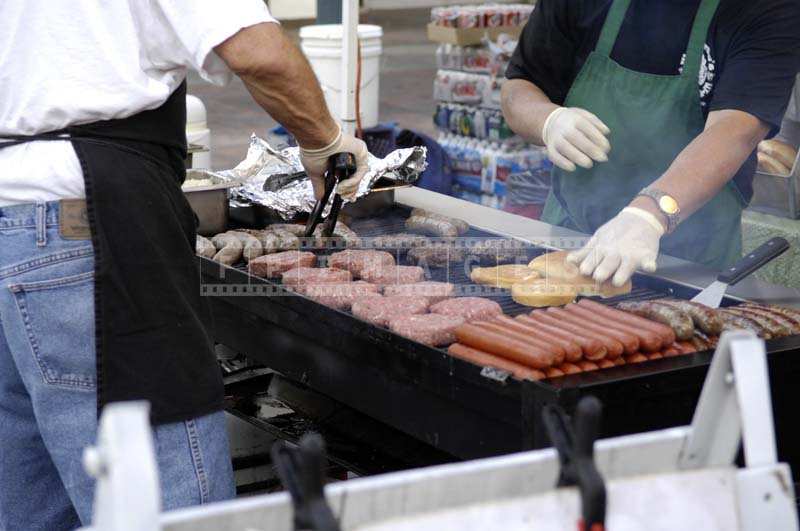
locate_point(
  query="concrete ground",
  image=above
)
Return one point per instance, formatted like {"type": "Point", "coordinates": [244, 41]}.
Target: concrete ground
{"type": "Point", "coordinates": [408, 67]}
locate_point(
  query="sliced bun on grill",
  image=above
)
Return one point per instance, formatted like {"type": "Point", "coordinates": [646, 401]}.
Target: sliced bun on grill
{"type": "Point", "coordinates": [768, 164]}
{"type": "Point", "coordinates": [555, 266]}
{"type": "Point", "coordinates": [779, 151]}
{"type": "Point", "coordinates": [542, 292]}
{"type": "Point", "coordinates": [556, 269]}
{"type": "Point", "coordinates": [503, 276]}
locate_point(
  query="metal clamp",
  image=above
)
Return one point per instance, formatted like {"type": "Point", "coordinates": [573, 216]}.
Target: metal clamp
{"type": "Point", "coordinates": [576, 457]}
{"type": "Point", "coordinates": [302, 472]}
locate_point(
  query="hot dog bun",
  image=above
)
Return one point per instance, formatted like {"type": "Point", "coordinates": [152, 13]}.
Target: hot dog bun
{"type": "Point", "coordinates": [556, 269]}
{"type": "Point", "coordinates": [779, 151]}
{"type": "Point", "coordinates": [503, 276]}
{"type": "Point", "coordinates": [542, 292]}
{"type": "Point", "coordinates": [768, 164]}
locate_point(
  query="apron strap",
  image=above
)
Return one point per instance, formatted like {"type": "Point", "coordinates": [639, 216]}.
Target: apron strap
{"type": "Point", "coordinates": [611, 27]}
{"type": "Point", "coordinates": [697, 39]}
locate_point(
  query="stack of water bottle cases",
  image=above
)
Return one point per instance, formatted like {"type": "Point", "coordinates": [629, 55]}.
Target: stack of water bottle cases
{"type": "Point", "coordinates": [483, 150]}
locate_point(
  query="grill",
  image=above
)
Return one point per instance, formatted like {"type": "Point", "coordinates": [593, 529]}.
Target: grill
{"type": "Point", "coordinates": [454, 406]}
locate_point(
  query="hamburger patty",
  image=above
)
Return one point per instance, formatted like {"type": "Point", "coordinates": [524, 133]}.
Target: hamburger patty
{"type": "Point", "coordinates": [470, 308]}
{"type": "Point", "coordinates": [433, 291]}
{"type": "Point", "coordinates": [429, 329]}
{"type": "Point", "coordinates": [378, 310]}
{"type": "Point", "coordinates": [356, 260]}
{"type": "Point", "coordinates": [387, 275]}
{"type": "Point", "coordinates": [315, 275]}
{"type": "Point", "coordinates": [273, 265]}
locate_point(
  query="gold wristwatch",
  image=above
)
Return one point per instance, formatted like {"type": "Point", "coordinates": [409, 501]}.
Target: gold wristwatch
{"type": "Point", "coordinates": [666, 204]}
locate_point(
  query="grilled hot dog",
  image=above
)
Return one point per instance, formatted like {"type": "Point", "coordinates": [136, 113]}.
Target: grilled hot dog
{"type": "Point", "coordinates": [484, 359]}
{"type": "Point", "coordinates": [504, 346]}
{"type": "Point", "coordinates": [572, 351]}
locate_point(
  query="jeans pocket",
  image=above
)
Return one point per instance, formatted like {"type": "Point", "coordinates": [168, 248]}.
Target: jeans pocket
{"type": "Point", "coordinates": [58, 316]}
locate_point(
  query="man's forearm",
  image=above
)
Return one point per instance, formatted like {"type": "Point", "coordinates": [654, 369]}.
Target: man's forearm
{"type": "Point", "coordinates": [526, 109]}
{"type": "Point", "coordinates": [281, 81]}
{"type": "Point", "coordinates": [708, 162]}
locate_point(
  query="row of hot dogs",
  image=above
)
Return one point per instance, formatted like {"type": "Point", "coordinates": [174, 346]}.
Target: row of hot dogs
{"type": "Point", "coordinates": [587, 335]}
{"type": "Point", "coordinates": [578, 337]}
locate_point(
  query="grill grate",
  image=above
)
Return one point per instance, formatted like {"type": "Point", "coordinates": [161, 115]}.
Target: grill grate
{"type": "Point", "coordinates": [392, 221]}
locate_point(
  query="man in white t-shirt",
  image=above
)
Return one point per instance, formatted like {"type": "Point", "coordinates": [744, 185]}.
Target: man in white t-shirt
{"type": "Point", "coordinates": [99, 289]}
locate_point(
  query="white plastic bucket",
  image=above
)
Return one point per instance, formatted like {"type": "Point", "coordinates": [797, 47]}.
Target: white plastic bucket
{"type": "Point", "coordinates": [322, 44]}
{"type": "Point", "coordinates": [197, 131]}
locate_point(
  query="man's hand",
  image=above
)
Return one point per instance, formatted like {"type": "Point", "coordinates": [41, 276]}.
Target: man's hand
{"type": "Point", "coordinates": [627, 242]}
{"type": "Point", "coordinates": [572, 136]}
{"type": "Point", "coordinates": [315, 161]}
{"type": "Point", "coordinates": [281, 81]}
{"type": "Point", "coordinates": [575, 136]}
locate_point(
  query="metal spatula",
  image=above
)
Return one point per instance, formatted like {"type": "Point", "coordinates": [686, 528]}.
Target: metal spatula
{"type": "Point", "coordinates": [712, 295]}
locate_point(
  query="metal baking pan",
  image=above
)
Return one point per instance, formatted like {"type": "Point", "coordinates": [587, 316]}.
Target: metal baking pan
{"type": "Point", "coordinates": [777, 194]}
{"type": "Point", "coordinates": [373, 204]}
{"type": "Point", "coordinates": [209, 202]}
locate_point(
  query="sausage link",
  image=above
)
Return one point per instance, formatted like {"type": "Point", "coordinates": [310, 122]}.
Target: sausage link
{"type": "Point", "coordinates": [587, 366]}
{"type": "Point", "coordinates": [647, 340]}
{"type": "Point", "coordinates": [204, 247]}
{"type": "Point", "coordinates": [619, 361]}
{"type": "Point", "coordinates": [460, 225]}
{"type": "Point", "coordinates": [733, 322]}
{"type": "Point", "coordinates": [789, 313]}
{"type": "Point", "coordinates": [504, 346]}
{"type": "Point", "coordinates": [629, 342]}
{"type": "Point", "coordinates": [613, 347]}
{"type": "Point", "coordinates": [654, 356]}
{"type": "Point", "coordinates": [665, 332]}
{"type": "Point", "coordinates": [591, 348]}
{"type": "Point", "coordinates": [436, 226]}
{"type": "Point", "coordinates": [675, 319]}
{"type": "Point", "coordinates": [553, 372]}
{"type": "Point", "coordinates": [572, 350]}
{"type": "Point", "coordinates": [605, 364]}
{"type": "Point", "coordinates": [686, 347]}
{"type": "Point", "coordinates": [557, 351]}
{"type": "Point", "coordinates": [671, 352]}
{"type": "Point", "coordinates": [768, 323]}
{"type": "Point", "coordinates": [703, 317]}
{"type": "Point", "coordinates": [484, 359]}
{"type": "Point", "coordinates": [570, 368]}
{"type": "Point", "coordinates": [636, 358]}
{"type": "Point", "coordinates": [792, 325]}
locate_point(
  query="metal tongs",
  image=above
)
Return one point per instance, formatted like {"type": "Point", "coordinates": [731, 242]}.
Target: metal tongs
{"type": "Point", "coordinates": [340, 167]}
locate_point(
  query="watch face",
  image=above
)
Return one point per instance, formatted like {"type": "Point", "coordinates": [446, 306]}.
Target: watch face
{"type": "Point", "coordinates": [668, 204]}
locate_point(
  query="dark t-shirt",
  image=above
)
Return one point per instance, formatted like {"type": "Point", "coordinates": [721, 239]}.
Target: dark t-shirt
{"type": "Point", "coordinates": [751, 56]}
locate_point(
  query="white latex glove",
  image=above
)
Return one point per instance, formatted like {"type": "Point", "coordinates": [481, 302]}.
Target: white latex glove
{"type": "Point", "coordinates": [315, 162]}
{"type": "Point", "coordinates": [625, 243]}
{"type": "Point", "coordinates": [575, 136]}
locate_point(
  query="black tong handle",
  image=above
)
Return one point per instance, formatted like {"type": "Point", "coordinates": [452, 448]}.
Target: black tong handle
{"type": "Point", "coordinates": [576, 456]}
{"type": "Point", "coordinates": [340, 167]}
{"type": "Point", "coordinates": [302, 472]}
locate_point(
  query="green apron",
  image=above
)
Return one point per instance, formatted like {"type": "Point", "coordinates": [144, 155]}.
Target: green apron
{"type": "Point", "coordinates": [652, 119]}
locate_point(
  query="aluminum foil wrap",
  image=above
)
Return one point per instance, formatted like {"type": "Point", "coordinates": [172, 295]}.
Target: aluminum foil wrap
{"type": "Point", "coordinates": [276, 179]}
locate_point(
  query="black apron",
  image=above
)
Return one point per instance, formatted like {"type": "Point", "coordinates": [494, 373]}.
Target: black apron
{"type": "Point", "coordinates": [152, 324]}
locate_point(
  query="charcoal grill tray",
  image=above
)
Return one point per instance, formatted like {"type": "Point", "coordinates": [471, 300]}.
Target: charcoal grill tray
{"type": "Point", "coordinates": [445, 402]}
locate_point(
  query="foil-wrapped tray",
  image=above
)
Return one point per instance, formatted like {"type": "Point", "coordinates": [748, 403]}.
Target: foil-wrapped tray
{"type": "Point", "coordinates": [275, 179]}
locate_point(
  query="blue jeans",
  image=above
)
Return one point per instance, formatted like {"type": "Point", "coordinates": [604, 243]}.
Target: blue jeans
{"type": "Point", "coordinates": [48, 387]}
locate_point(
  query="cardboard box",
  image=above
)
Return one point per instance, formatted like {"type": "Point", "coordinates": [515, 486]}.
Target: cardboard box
{"type": "Point", "coordinates": [468, 36]}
